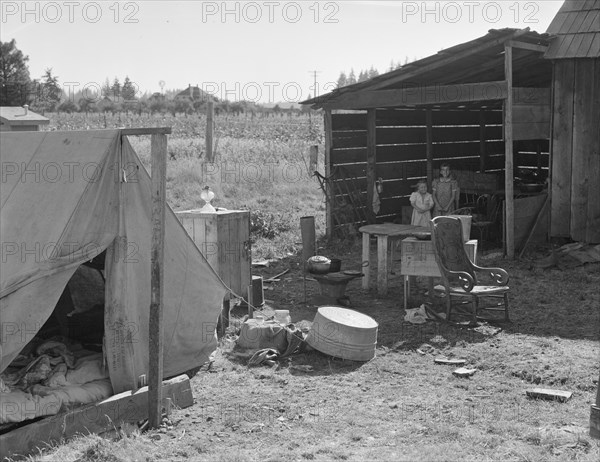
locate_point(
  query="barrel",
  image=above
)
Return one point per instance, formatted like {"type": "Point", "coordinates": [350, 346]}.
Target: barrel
{"type": "Point", "coordinates": [343, 333]}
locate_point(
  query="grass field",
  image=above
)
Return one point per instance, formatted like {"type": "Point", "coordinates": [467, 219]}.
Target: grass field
{"type": "Point", "coordinates": [261, 163]}
{"type": "Point", "coordinates": [400, 406]}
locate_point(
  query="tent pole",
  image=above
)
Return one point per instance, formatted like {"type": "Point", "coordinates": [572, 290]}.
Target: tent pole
{"type": "Point", "coordinates": [158, 150]}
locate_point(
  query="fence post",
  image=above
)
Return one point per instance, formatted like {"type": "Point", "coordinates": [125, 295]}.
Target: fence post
{"type": "Point", "coordinates": [210, 110]}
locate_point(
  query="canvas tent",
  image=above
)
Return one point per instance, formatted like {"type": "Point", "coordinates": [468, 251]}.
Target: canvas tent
{"type": "Point", "coordinates": [66, 197]}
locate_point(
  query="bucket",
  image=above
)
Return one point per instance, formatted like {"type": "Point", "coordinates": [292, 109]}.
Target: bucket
{"type": "Point", "coordinates": [343, 333]}
{"type": "Point", "coordinates": [258, 298]}
{"type": "Point", "coordinates": [466, 225]}
{"type": "Point", "coordinates": [335, 266]}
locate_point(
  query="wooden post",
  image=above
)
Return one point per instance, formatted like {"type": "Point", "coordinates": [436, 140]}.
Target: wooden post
{"type": "Point", "coordinates": [210, 113]}
{"type": "Point", "coordinates": [328, 186]}
{"type": "Point", "coordinates": [307, 230]}
{"type": "Point", "coordinates": [509, 224]}
{"type": "Point", "coordinates": [313, 160]}
{"type": "Point", "coordinates": [158, 151]}
{"type": "Point", "coordinates": [482, 152]}
{"type": "Point", "coordinates": [429, 148]}
{"type": "Point", "coordinates": [371, 162]}
{"type": "Point", "coordinates": [595, 415]}
{"type": "Point", "coordinates": [223, 321]}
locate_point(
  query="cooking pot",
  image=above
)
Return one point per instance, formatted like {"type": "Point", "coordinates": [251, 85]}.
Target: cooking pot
{"type": "Point", "coordinates": [319, 264]}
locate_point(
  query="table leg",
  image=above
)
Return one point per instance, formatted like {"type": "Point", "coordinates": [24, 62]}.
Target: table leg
{"type": "Point", "coordinates": [382, 265]}
{"type": "Point", "coordinates": [430, 289]}
{"type": "Point", "coordinates": [406, 289]}
{"type": "Point", "coordinates": [366, 263]}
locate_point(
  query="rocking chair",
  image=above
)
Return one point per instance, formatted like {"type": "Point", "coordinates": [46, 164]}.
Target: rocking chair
{"type": "Point", "coordinates": [459, 275]}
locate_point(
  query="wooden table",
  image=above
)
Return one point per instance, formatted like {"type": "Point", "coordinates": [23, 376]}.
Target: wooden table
{"type": "Point", "coordinates": [387, 232]}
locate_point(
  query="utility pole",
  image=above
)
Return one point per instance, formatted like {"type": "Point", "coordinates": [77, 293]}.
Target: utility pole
{"type": "Point", "coordinates": [315, 88]}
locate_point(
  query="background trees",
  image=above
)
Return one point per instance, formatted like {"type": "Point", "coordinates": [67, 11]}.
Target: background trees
{"type": "Point", "coordinates": [15, 82]}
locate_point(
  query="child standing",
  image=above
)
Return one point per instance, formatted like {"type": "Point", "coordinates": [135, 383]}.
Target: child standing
{"type": "Point", "coordinates": [422, 203]}
{"type": "Point", "coordinates": [444, 192]}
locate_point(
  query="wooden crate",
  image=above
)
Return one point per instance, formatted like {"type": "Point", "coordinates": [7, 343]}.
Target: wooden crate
{"type": "Point", "coordinates": [223, 237]}
{"type": "Point", "coordinates": [418, 258]}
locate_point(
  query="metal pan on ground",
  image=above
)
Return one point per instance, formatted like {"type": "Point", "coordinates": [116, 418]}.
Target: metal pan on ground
{"type": "Point", "coordinates": [343, 333]}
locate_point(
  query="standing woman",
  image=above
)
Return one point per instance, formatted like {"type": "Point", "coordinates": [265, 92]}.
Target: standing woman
{"type": "Point", "coordinates": [445, 190]}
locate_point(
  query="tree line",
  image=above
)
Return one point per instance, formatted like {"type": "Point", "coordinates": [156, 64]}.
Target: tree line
{"type": "Point", "coordinates": [350, 78]}
{"type": "Point", "coordinates": [46, 95]}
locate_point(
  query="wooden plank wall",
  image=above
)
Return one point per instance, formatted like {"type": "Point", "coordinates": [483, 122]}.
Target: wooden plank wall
{"type": "Point", "coordinates": [575, 210]}
{"type": "Point", "coordinates": [401, 149]}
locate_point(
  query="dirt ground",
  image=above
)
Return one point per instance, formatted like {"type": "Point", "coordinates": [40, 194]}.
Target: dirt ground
{"type": "Point", "coordinates": [400, 405]}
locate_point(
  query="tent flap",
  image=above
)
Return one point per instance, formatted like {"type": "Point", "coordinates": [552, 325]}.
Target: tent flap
{"type": "Point", "coordinates": [62, 203]}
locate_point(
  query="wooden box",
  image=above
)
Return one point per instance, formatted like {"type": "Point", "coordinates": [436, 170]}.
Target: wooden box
{"type": "Point", "coordinates": [418, 258]}
{"type": "Point", "coordinates": [223, 237]}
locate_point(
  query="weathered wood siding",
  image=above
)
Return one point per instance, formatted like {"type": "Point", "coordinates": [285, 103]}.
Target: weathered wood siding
{"type": "Point", "coordinates": [457, 136]}
{"type": "Point", "coordinates": [575, 210]}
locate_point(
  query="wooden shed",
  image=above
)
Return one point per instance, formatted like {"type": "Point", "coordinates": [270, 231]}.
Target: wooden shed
{"type": "Point", "coordinates": [483, 106]}
{"type": "Point", "coordinates": [17, 118]}
{"type": "Point", "coordinates": [575, 147]}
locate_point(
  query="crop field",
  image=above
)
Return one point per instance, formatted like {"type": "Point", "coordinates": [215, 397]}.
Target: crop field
{"type": "Point", "coordinates": [260, 163]}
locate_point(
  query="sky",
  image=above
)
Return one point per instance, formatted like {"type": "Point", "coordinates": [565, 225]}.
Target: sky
{"type": "Point", "coordinates": [261, 51]}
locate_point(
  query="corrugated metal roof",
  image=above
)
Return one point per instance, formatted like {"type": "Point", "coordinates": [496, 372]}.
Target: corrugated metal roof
{"type": "Point", "coordinates": [577, 30]}
{"type": "Point", "coordinates": [479, 60]}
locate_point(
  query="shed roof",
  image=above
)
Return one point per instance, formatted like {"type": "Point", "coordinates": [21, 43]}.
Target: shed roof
{"type": "Point", "coordinates": [577, 30]}
{"type": "Point", "coordinates": [479, 60]}
{"type": "Point", "coordinates": [16, 115]}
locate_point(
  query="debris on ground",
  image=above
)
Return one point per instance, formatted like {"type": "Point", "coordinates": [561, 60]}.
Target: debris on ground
{"type": "Point", "coordinates": [302, 368]}
{"type": "Point", "coordinates": [569, 256]}
{"type": "Point", "coordinates": [450, 361]}
{"type": "Point", "coordinates": [552, 395]}
{"type": "Point", "coordinates": [463, 372]}
{"type": "Point", "coordinates": [425, 349]}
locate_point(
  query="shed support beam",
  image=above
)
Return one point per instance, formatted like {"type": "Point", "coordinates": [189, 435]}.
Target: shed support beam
{"type": "Point", "coordinates": [429, 147]}
{"type": "Point", "coordinates": [527, 46]}
{"type": "Point", "coordinates": [508, 148]}
{"type": "Point", "coordinates": [482, 151]}
{"type": "Point", "coordinates": [414, 95]}
{"type": "Point", "coordinates": [371, 162]}
{"type": "Point", "coordinates": [328, 183]}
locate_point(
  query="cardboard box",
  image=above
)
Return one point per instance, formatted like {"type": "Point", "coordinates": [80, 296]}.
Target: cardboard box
{"type": "Point", "coordinates": [418, 257]}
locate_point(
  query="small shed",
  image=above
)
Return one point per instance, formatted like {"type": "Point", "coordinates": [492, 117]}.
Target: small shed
{"type": "Point", "coordinates": [575, 146]}
{"type": "Point", "coordinates": [483, 106]}
{"type": "Point", "coordinates": [20, 119]}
